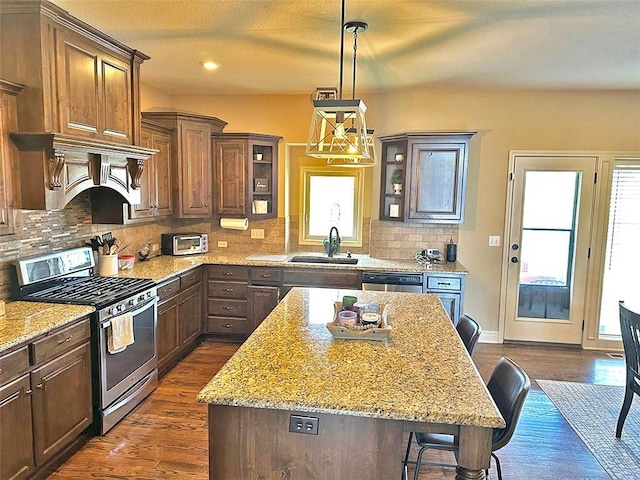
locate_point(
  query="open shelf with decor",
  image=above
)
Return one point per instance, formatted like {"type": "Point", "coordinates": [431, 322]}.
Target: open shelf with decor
{"type": "Point", "coordinates": [392, 177]}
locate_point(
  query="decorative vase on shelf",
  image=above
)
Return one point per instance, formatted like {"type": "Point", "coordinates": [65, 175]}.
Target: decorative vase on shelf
{"type": "Point", "coordinates": [397, 178]}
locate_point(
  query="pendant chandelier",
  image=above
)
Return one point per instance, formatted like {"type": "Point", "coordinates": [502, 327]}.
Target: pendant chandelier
{"type": "Point", "coordinates": [338, 129]}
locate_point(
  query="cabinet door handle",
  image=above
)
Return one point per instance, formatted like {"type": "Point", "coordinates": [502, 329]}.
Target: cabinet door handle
{"type": "Point", "coordinates": [68, 339]}
{"type": "Point", "coordinates": [206, 204]}
{"type": "Point", "coordinates": [266, 275]}
{"type": "Point", "coordinates": [229, 325]}
{"type": "Point", "coordinates": [227, 308]}
{"type": "Point", "coordinates": [227, 290]}
{"type": "Point", "coordinates": [167, 290]}
{"type": "Point", "coordinates": [28, 392]}
{"type": "Point", "coordinates": [228, 274]}
{"type": "Point", "coordinates": [39, 385]}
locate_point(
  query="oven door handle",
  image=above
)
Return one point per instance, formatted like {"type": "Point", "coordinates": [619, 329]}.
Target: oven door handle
{"type": "Point", "coordinates": [139, 309]}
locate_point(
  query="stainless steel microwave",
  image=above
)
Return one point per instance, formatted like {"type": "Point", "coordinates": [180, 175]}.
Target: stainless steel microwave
{"type": "Point", "coordinates": [184, 243]}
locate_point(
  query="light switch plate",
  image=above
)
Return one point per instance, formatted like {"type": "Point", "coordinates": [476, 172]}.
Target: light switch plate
{"type": "Point", "coordinates": [257, 233]}
{"type": "Point", "coordinates": [494, 240]}
{"type": "Point", "coordinates": [222, 244]}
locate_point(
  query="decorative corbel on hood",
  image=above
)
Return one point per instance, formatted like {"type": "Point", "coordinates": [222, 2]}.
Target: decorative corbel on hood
{"type": "Point", "coordinates": [55, 167]}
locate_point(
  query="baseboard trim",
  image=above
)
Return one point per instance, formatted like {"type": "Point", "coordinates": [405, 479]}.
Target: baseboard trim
{"type": "Point", "coordinates": [489, 337]}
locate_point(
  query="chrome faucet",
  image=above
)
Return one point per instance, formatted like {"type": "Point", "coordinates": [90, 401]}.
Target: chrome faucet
{"type": "Point", "coordinates": [333, 249]}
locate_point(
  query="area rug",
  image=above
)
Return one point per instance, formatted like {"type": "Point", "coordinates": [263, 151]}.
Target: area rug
{"type": "Point", "coordinates": [592, 411]}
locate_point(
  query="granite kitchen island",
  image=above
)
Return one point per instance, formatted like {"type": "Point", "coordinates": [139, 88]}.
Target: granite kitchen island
{"type": "Point", "coordinates": [365, 395]}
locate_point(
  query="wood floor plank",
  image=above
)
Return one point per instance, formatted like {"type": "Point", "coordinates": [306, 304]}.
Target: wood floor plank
{"type": "Point", "coordinates": [166, 436]}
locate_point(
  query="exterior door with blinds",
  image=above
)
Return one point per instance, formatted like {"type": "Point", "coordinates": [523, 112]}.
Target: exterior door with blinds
{"type": "Point", "coordinates": [549, 231]}
{"type": "Point", "coordinates": [622, 255]}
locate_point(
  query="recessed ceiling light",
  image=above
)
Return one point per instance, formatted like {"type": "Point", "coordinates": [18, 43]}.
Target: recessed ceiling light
{"type": "Point", "coordinates": [209, 65]}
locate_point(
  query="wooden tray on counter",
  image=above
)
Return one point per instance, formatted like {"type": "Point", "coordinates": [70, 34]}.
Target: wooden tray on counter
{"type": "Point", "coordinates": [379, 333]}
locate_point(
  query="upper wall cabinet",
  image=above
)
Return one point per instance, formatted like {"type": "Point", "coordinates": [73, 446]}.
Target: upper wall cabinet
{"type": "Point", "coordinates": [156, 182]}
{"type": "Point", "coordinates": [191, 160]}
{"type": "Point", "coordinates": [423, 176]}
{"type": "Point", "coordinates": [8, 154]}
{"type": "Point", "coordinates": [79, 81]}
{"type": "Point", "coordinates": [78, 114]}
{"type": "Point", "coordinates": [246, 175]}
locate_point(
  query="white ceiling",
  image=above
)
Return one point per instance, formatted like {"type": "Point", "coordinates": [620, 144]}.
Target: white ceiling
{"type": "Point", "coordinates": [292, 46]}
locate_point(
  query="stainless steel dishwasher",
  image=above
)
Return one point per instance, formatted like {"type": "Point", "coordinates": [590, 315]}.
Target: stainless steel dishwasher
{"type": "Point", "coordinates": [393, 282]}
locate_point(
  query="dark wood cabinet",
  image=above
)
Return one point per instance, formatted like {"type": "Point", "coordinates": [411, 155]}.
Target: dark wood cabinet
{"type": "Point", "coordinates": [190, 314]}
{"type": "Point", "coordinates": [261, 300]}
{"type": "Point", "coordinates": [432, 167]}
{"type": "Point", "coordinates": [450, 290]}
{"type": "Point", "coordinates": [156, 198]}
{"type": "Point", "coordinates": [80, 81]}
{"type": "Point", "coordinates": [180, 317]}
{"type": "Point", "coordinates": [168, 334]}
{"type": "Point", "coordinates": [323, 278]}
{"type": "Point", "coordinates": [62, 406]}
{"type": "Point", "coordinates": [191, 169]}
{"type": "Point", "coordinates": [45, 399]}
{"type": "Point", "coordinates": [246, 175]}
{"type": "Point", "coordinates": [227, 287]}
{"type": "Point", "coordinates": [16, 430]}
{"type": "Point", "coordinates": [8, 154]}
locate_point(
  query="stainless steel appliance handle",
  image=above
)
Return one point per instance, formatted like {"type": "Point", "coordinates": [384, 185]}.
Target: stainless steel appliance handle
{"type": "Point", "coordinates": [138, 309]}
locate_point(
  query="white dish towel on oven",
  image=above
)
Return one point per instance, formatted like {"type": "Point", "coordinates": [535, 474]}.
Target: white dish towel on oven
{"type": "Point", "coordinates": [120, 334]}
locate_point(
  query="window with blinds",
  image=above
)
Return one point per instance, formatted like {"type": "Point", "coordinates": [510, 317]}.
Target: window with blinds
{"type": "Point", "coordinates": [622, 258]}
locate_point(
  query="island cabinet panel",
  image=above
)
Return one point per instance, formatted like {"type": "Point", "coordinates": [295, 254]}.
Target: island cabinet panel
{"type": "Point", "coordinates": [16, 430]}
{"type": "Point", "coordinates": [62, 406]}
{"type": "Point", "coordinates": [168, 330]}
{"type": "Point", "coordinates": [256, 443]}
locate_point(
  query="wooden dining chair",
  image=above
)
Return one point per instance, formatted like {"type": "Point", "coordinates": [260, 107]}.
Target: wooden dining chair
{"type": "Point", "coordinates": [630, 328]}
{"type": "Point", "coordinates": [508, 385]}
{"type": "Point", "coordinates": [469, 331]}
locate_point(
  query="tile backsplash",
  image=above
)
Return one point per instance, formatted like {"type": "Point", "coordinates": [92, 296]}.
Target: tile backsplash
{"type": "Point", "coordinates": [39, 231]}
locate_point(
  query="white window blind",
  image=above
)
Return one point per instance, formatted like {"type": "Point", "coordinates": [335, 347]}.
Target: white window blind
{"type": "Point", "coordinates": [623, 238]}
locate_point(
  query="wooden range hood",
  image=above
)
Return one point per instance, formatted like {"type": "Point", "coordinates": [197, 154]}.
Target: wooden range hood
{"type": "Point", "coordinates": [56, 167]}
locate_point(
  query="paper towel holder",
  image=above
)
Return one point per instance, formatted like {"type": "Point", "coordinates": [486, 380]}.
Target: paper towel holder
{"type": "Point", "coordinates": [234, 223]}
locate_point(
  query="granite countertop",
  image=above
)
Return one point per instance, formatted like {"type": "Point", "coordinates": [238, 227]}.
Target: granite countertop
{"type": "Point", "coordinates": [24, 321]}
{"type": "Point", "coordinates": [422, 372]}
{"type": "Point", "coordinates": [164, 267]}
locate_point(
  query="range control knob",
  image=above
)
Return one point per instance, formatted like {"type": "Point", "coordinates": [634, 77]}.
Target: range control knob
{"type": "Point", "coordinates": [141, 298]}
{"type": "Point", "coordinates": [131, 302]}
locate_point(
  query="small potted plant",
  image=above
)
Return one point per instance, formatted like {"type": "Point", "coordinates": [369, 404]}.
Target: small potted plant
{"type": "Point", "coordinates": [396, 180]}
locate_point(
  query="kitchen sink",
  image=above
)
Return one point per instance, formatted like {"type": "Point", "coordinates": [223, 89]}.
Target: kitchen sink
{"type": "Point", "coordinates": [317, 259]}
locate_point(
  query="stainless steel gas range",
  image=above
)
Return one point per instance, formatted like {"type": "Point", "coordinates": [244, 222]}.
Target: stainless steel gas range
{"type": "Point", "coordinates": [122, 378]}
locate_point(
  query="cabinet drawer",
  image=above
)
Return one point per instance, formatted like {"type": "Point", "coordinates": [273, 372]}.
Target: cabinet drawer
{"type": "Point", "coordinates": [227, 308]}
{"type": "Point", "coordinates": [226, 325]}
{"type": "Point", "coordinates": [60, 341]}
{"type": "Point", "coordinates": [229, 272]}
{"type": "Point", "coordinates": [169, 289]}
{"type": "Point", "coordinates": [443, 283]}
{"type": "Point", "coordinates": [265, 275]}
{"type": "Point", "coordinates": [13, 364]}
{"type": "Point", "coordinates": [190, 278]}
{"type": "Point", "coordinates": [227, 289]}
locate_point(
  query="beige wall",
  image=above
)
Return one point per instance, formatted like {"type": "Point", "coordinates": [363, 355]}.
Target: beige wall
{"type": "Point", "coordinates": [603, 121]}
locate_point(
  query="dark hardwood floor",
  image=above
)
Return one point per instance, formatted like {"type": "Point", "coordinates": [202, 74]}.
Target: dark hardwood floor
{"type": "Point", "coordinates": [166, 436]}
